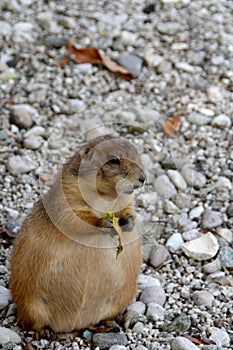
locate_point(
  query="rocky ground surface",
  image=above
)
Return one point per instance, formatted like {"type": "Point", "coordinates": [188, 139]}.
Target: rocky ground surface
{"type": "Point", "coordinates": [180, 52]}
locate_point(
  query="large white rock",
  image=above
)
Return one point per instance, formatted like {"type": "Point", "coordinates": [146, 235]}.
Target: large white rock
{"type": "Point", "coordinates": [8, 336]}
{"type": "Point", "coordinates": [203, 248]}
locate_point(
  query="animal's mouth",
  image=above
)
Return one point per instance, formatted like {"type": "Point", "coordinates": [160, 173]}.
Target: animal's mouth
{"type": "Point", "coordinates": [128, 187]}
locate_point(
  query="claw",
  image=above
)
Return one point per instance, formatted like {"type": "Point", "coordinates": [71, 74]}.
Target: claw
{"type": "Point", "coordinates": [43, 333]}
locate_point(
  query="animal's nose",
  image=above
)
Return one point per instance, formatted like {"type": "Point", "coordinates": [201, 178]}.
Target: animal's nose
{"type": "Point", "coordinates": [142, 178]}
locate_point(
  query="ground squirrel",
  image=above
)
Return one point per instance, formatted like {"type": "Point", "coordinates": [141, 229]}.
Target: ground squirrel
{"type": "Point", "coordinates": [64, 271]}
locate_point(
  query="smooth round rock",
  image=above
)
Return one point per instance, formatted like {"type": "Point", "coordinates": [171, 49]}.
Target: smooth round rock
{"type": "Point", "coordinates": [20, 165]}
{"type": "Point", "coordinates": [229, 210]}
{"type": "Point", "coordinates": [198, 119]}
{"type": "Point", "coordinates": [212, 267]}
{"type": "Point", "coordinates": [177, 179]}
{"type": "Point", "coordinates": [154, 294]}
{"type": "Point", "coordinates": [33, 142]}
{"type": "Point", "coordinates": [196, 212]}
{"type": "Point", "coordinates": [181, 343]}
{"type": "Point", "coordinates": [145, 281]}
{"type": "Point", "coordinates": [138, 307]}
{"type": "Point", "coordinates": [168, 28]}
{"type": "Point", "coordinates": [155, 312]}
{"type": "Point", "coordinates": [222, 121]}
{"type": "Point", "coordinates": [5, 297]}
{"type": "Point", "coordinates": [8, 336]}
{"type": "Point", "coordinates": [203, 297]}
{"type": "Point", "coordinates": [175, 242]}
{"type": "Point", "coordinates": [21, 115]}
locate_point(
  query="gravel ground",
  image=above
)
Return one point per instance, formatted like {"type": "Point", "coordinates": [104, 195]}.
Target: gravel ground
{"type": "Point", "coordinates": [180, 52]}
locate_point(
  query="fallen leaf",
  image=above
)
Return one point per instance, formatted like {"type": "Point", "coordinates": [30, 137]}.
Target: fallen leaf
{"type": "Point", "coordinates": [91, 55]}
{"type": "Point", "coordinates": [172, 126]}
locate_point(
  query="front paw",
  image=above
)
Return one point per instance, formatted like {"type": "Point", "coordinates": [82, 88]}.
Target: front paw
{"type": "Point", "coordinates": [127, 222]}
{"type": "Point", "coordinates": [106, 227]}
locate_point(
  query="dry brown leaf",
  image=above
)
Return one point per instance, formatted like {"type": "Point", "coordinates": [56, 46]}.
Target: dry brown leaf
{"type": "Point", "coordinates": [64, 61]}
{"type": "Point", "coordinates": [172, 126]}
{"type": "Point", "coordinates": [91, 55]}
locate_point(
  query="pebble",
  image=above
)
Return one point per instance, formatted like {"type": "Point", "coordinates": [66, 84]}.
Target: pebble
{"type": "Point", "coordinates": [185, 66]}
{"type": "Point", "coordinates": [153, 60]}
{"type": "Point", "coordinates": [155, 312]}
{"type": "Point", "coordinates": [175, 242]}
{"type": "Point", "coordinates": [229, 210]}
{"type": "Point", "coordinates": [164, 187]}
{"type": "Point", "coordinates": [214, 94]}
{"type": "Point", "coordinates": [55, 41]}
{"type": "Point", "coordinates": [211, 219]}
{"type": "Point", "coordinates": [8, 336]}
{"type": "Point", "coordinates": [169, 207]}
{"type": "Point", "coordinates": [164, 67]}
{"type": "Point", "coordinates": [198, 119]}
{"type": "Point", "coordinates": [180, 324]}
{"type": "Point", "coordinates": [20, 165]}
{"type": "Point", "coordinates": [8, 75]}
{"type": "Point", "coordinates": [191, 235]}
{"type": "Point", "coordinates": [159, 255]}
{"type": "Point", "coordinates": [68, 22]}
{"type": "Point", "coordinates": [220, 336]}
{"type": "Point", "coordinates": [76, 105]}
{"type": "Point", "coordinates": [35, 131]}
{"type": "Point", "coordinates": [106, 340]}
{"type": "Point", "coordinates": [153, 294]}
{"type": "Point", "coordinates": [203, 297]}
{"type": "Point", "coordinates": [181, 343]}
{"type": "Point", "coordinates": [215, 276]}
{"type": "Point", "coordinates": [118, 347]}
{"type": "Point", "coordinates": [145, 281]}
{"type": "Point", "coordinates": [177, 179]}
{"type": "Point", "coordinates": [193, 178]}
{"type": "Point", "coordinates": [140, 347]}
{"type": "Point", "coordinates": [168, 28]}
{"type": "Point", "coordinates": [132, 63]}
{"type": "Point", "coordinates": [196, 212]}
{"type": "Point", "coordinates": [38, 96]}
{"type": "Point", "coordinates": [129, 38]}
{"type": "Point", "coordinates": [226, 234]}
{"type": "Point", "coordinates": [203, 248]}
{"type": "Point", "coordinates": [138, 328]}
{"type": "Point", "coordinates": [138, 307]}
{"type": "Point", "coordinates": [5, 297]}
{"type": "Point", "coordinates": [5, 28]}
{"type": "Point", "coordinates": [23, 32]}
{"type": "Point", "coordinates": [22, 115]}
{"type": "Point", "coordinates": [222, 121]}
{"type": "Point", "coordinates": [212, 267]}
{"type": "Point", "coordinates": [33, 142]}
{"type": "Point", "coordinates": [179, 46]}
{"type": "Point", "coordinates": [226, 257]}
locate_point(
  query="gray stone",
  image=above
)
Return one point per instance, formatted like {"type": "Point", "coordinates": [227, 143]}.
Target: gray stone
{"type": "Point", "coordinates": [203, 297]}
{"type": "Point", "coordinates": [180, 324]}
{"type": "Point", "coordinates": [138, 307]}
{"type": "Point", "coordinates": [177, 179]}
{"type": "Point", "coordinates": [106, 340]}
{"type": "Point", "coordinates": [54, 41]}
{"type": "Point", "coordinates": [203, 248]}
{"type": "Point", "coordinates": [5, 28]}
{"type": "Point", "coordinates": [211, 219]}
{"type": "Point", "coordinates": [220, 336]}
{"type": "Point", "coordinates": [159, 255]}
{"type": "Point", "coordinates": [145, 281]}
{"type": "Point", "coordinates": [175, 242]}
{"type": "Point", "coordinates": [168, 28]}
{"type": "Point", "coordinates": [76, 105]}
{"type": "Point", "coordinates": [138, 328]}
{"type": "Point", "coordinates": [22, 115]}
{"type": "Point", "coordinates": [185, 66]}
{"type": "Point", "coordinates": [164, 187]}
{"type": "Point", "coordinates": [140, 347]}
{"type": "Point", "coordinates": [226, 234]}
{"type": "Point", "coordinates": [35, 131]}
{"type": "Point", "coordinates": [164, 67]}
{"type": "Point", "coordinates": [8, 336]}
{"type": "Point", "coordinates": [222, 121]}
{"type": "Point", "coordinates": [153, 60]}
{"type": "Point", "coordinates": [68, 22]}
{"type": "Point", "coordinates": [229, 210]}
{"type": "Point", "coordinates": [155, 312]}
{"type": "Point", "coordinates": [198, 119]}
{"type": "Point", "coordinates": [214, 94]}
{"type": "Point", "coordinates": [215, 276]}
{"type": "Point", "coordinates": [169, 207]}
{"type": "Point", "coordinates": [226, 257]}
{"type": "Point", "coordinates": [38, 96]}
{"type": "Point", "coordinates": [128, 38]}
{"type": "Point", "coordinates": [212, 267]}
{"type": "Point", "coordinates": [181, 343]}
{"type": "Point", "coordinates": [132, 63]}
{"type": "Point", "coordinates": [5, 297]}
{"type": "Point", "coordinates": [33, 142]}
{"type": "Point", "coordinates": [20, 165]}
{"type": "Point", "coordinates": [190, 235]}
{"type": "Point", "coordinates": [193, 178]}
{"type": "Point", "coordinates": [153, 294]}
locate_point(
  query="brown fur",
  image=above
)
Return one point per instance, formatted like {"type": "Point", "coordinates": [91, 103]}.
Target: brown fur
{"type": "Point", "coordinates": [64, 271]}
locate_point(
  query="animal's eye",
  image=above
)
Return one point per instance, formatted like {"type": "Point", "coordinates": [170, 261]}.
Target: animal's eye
{"type": "Point", "coordinates": [113, 160]}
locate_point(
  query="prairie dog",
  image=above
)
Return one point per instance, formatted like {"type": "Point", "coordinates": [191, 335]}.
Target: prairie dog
{"type": "Point", "coordinates": [64, 271]}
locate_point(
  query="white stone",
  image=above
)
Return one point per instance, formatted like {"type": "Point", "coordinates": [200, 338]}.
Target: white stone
{"type": "Point", "coordinates": [198, 118]}
{"type": "Point", "coordinates": [5, 297]}
{"type": "Point", "coordinates": [222, 121]}
{"type": "Point", "coordinates": [190, 235]}
{"type": "Point", "coordinates": [202, 297]}
{"type": "Point", "coordinates": [33, 142]}
{"type": "Point", "coordinates": [226, 234]}
{"type": "Point", "coordinates": [196, 212]}
{"type": "Point", "coordinates": [212, 267]}
{"type": "Point", "coordinates": [177, 179]}
{"type": "Point", "coordinates": [214, 94]}
{"type": "Point", "coordinates": [185, 66]}
{"type": "Point", "coordinates": [168, 28]}
{"type": "Point", "coordinates": [118, 347]}
{"type": "Point", "coordinates": [129, 38]}
{"type": "Point", "coordinates": [76, 105]}
{"type": "Point", "coordinates": [159, 255]}
{"type": "Point", "coordinates": [8, 336]}
{"type": "Point", "coordinates": [206, 111]}
{"type": "Point", "coordinates": [164, 187]}
{"type": "Point", "coordinates": [203, 248]}
{"type": "Point", "coordinates": [181, 343]}
{"type": "Point", "coordinates": [20, 165]}
{"type": "Point", "coordinates": [36, 130]}
{"type": "Point", "coordinates": [153, 294]}
{"type": "Point", "coordinates": [5, 28]}
{"type": "Point", "coordinates": [175, 242]}
{"type": "Point", "coordinates": [211, 219]}
{"type": "Point", "coordinates": [224, 182]}
{"type": "Point", "coordinates": [68, 22]}
{"type": "Point", "coordinates": [170, 208]}
{"type": "Point", "coordinates": [155, 312]}
{"type": "Point", "coordinates": [193, 178]}
{"type": "Point", "coordinates": [220, 336]}
{"type": "Point", "coordinates": [138, 307]}
{"type": "Point", "coordinates": [179, 46]}
{"type": "Point", "coordinates": [153, 60]}
{"type": "Point", "coordinates": [145, 281]}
